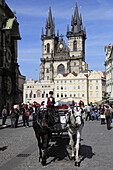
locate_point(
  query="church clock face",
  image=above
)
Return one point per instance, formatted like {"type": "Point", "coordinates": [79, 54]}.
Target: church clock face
{"type": "Point", "coordinates": [61, 46]}
{"type": "Point", "coordinates": [9, 85]}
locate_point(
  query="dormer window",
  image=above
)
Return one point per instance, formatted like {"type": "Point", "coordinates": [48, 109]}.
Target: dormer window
{"type": "Point", "coordinates": [75, 45]}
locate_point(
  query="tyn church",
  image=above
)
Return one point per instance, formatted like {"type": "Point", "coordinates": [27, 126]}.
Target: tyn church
{"type": "Point", "coordinates": [57, 56]}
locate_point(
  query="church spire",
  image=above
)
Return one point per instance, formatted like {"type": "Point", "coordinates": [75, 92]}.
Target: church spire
{"type": "Point", "coordinates": [50, 25]}
{"type": "Point", "coordinates": [76, 23]}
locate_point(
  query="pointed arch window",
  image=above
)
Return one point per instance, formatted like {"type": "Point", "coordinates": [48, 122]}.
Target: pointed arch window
{"type": "Point", "coordinates": [61, 69]}
{"type": "Point", "coordinates": [48, 48]}
{"type": "Point", "coordinates": [75, 45]}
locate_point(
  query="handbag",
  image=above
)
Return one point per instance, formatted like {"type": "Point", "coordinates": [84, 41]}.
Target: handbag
{"type": "Point", "coordinates": [102, 116]}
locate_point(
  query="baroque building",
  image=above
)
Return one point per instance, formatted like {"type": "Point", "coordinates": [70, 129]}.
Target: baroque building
{"type": "Point", "coordinates": [59, 58]}
{"type": "Point", "coordinates": [11, 80]}
{"type": "Point", "coordinates": [109, 71]}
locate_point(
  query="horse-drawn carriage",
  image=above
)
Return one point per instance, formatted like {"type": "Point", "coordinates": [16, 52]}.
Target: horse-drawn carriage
{"type": "Point", "coordinates": [56, 120]}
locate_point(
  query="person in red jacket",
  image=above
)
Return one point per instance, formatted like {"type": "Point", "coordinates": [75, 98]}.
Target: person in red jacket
{"type": "Point", "coordinates": [51, 102]}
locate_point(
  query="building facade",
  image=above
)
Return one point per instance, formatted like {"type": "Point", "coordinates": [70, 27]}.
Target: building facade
{"type": "Point", "coordinates": [37, 91]}
{"type": "Point", "coordinates": [11, 80]}
{"type": "Point", "coordinates": [88, 87]}
{"type": "Point", "coordinates": [109, 71]}
{"type": "Point", "coordinates": [59, 58]}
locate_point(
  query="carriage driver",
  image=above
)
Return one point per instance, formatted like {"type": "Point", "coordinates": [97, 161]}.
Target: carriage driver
{"type": "Point", "coordinates": [50, 101]}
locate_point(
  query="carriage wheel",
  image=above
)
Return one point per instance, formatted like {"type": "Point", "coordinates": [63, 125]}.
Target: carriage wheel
{"type": "Point", "coordinates": [44, 161]}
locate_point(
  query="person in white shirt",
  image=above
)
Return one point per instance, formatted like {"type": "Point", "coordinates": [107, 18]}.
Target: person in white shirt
{"type": "Point", "coordinates": [88, 110]}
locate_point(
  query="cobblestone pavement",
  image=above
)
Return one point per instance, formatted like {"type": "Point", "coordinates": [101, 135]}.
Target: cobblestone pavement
{"type": "Point", "coordinates": [96, 150]}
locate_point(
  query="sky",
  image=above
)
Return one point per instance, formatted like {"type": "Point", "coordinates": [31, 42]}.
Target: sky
{"type": "Point", "coordinates": [97, 17]}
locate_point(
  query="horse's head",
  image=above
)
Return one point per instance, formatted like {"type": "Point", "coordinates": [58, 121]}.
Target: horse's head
{"type": "Point", "coordinates": [43, 117]}
{"type": "Point", "coordinates": [77, 116]}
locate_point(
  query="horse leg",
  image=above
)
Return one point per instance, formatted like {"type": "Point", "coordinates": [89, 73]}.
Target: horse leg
{"type": "Point", "coordinates": [40, 147]}
{"type": "Point", "coordinates": [71, 143]}
{"type": "Point", "coordinates": [45, 145]}
{"type": "Point", "coordinates": [77, 161]}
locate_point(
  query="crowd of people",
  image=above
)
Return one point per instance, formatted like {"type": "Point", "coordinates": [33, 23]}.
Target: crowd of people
{"type": "Point", "coordinates": [92, 112]}
{"type": "Point", "coordinates": [102, 112]}
{"type": "Point", "coordinates": [15, 112]}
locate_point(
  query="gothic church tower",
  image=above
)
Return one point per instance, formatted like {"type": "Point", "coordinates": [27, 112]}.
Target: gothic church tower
{"type": "Point", "coordinates": [57, 56]}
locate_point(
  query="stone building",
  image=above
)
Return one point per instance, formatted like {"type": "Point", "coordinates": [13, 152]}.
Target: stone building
{"type": "Point", "coordinates": [11, 80]}
{"type": "Point", "coordinates": [36, 91]}
{"type": "Point", "coordinates": [59, 57]}
{"type": "Point", "coordinates": [109, 71]}
{"type": "Point", "coordinates": [88, 87]}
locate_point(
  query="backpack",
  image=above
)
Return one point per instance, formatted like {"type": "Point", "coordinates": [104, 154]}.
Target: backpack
{"type": "Point", "coordinates": [108, 113]}
{"type": "Point", "coordinates": [27, 112]}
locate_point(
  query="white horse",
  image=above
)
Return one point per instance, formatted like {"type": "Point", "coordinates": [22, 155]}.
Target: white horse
{"type": "Point", "coordinates": [75, 124]}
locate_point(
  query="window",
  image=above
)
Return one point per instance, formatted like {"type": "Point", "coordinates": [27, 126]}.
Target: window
{"type": "Point", "coordinates": [61, 69]}
{"type": "Point", "coordinates": [96, 87]}
{"type": "Point", "coordinates": [75, 45]}
{"type": "Point", "coordinates": [78, 81]}
{"type": "Point", "coordinates": [70, 81]}
{"type": "Point", "coordinates": [79, 87]}
{"type": "Point", "coordinates": [57, 81]}
{"type": "Point", "coordinates": [61, 94]}
{"type": "Point", "coordinates": [45, 47]}
{"type": "Point", "coordinates": [46, 95]}
{"type": "Point", "coordinates": [78, 94]}
{"type": "Point", "coordinates": [61, 81]}
{"type": "Point", "coordinates": [42, 95]}
{"type": "Point", "coordinates": [27, 86]}
{"type": "Point", "coordinates": [30, 95]}
{"type": "Point", "coordinates": [47, 71]}
{"type": "Point", "coordinates": [47, 77]}
{"type": "Point", "coordinates": [82, 94]}
{"type": "Point", "coordinates": [48, 48]}
{"type": "Point", "coordinates": [34, 95]}
{"type": "Point", "coordinates": [74, 87]}
{"type": "Point", "coordinates": [74, 95]}
{"type": "Point", "coordinates": [97, 95]}
{"type": "Point", "coordinates": [70, 94]}
{"type": "Point", "coordinates": [65, 94]}
{"type": "Point", "coordinates": [26, 95]}
{"type": "Point", "coordinates": [57, 95]}
{"type": "Point", "coordinates": [96, 81]}
{"type": "Point", "coordinates": [90, 87]}
{"type": "Point", "coordinates": [91, 95]}
{"type": "Point", "coordinates": [74, 63]}
{"type": "Point", "coordinates": [57, 87]}
{"type": "Point", "coordinates": [82, 87]}
{"type": "Point", "coordinates": [70, 87]}
{"type": "Point", "coordinates": [65, 81]}
{"type": "Point", "coordinates": [61, 87]}
{"type": "Point", "coordinates": [90, 81]}
{"type": "Point", "coordinates": [74, 81]}
{"type": "Point", "coordinates": [65, 87]}
{"type": "Point", "coordinates": [82, 81]}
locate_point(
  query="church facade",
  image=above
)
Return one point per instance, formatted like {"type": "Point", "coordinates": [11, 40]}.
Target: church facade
{"type": "Point", "coordinates": [59, 58]}
{"type": "Point", "coordinates": [11, 80]}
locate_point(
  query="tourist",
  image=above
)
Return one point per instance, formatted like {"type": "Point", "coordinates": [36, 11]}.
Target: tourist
{"type": "Point", "coordinates": [101, 112]}
{"type": "Point", "coordinates": [112, 113]}
{"type": "Point", "coordinates": [12, 116]}
{"type": "Point", "coordinates": [23, 114]}
{"type": "Point", "coordinates": [17, 113]}
{"type": "Point", "coordinates": [4, 116]}
{"type": "Point", "coordinates": [108, 114]}
{"type": "Point", "coordinates": [88, 110]}
{"type": "Point", "coordinates": [27, 113]}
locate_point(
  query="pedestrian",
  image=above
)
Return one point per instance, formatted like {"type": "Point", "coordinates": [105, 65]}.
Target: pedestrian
{"type": "Point", "coordinates": [88, 110]}
{"type": "Point", "coordinates": [27, 113]}
{"type": "Point", "coordinates": [112, 113]}
{"type": "Point", "coordinates": [101, 112]}
{"type": "Point", "coordinates": [23, 114]}
{"type": "Point", "coordinates": [108, 114]}
{"type": "Point", "coordinates": [17, 113]}
{"type": "Point", "coordinates": [12, 116]}
{"type": "Point", "coordinates": [4, 116]}
{"type": "Point", "coordinates": [93, 113]}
